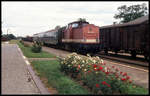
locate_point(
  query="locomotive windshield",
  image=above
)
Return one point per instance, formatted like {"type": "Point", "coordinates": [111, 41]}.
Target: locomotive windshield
{"type": "Point", "coordinates": [75, 25]}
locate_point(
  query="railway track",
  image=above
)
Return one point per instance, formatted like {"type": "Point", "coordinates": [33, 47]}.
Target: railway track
{"type": "Point", "coordinates": [128, 62]}
{"type": "Point", "coordinates": [135, 63]}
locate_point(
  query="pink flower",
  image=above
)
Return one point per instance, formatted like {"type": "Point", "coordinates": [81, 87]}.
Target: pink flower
{"type": "Point", "coordinates": [127, 77]}
{"type": "Point", "coordinates": [79, 66]}
{"type": "Point", "coordinates": [104, 63]}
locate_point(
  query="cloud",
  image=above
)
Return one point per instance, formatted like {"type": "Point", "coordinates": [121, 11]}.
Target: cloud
{"type": "Point", "coordinates": [28, 18]}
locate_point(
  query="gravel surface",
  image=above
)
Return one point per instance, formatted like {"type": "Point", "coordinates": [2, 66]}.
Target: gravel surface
{"type": "Point", "coordinates": [15, 76]}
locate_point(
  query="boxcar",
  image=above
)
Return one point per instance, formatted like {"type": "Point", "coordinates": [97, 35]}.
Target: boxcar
{"type": "Point", "coordinates": [132, 37]}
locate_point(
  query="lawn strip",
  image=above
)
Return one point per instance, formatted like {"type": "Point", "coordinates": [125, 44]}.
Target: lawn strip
{"type": "Point", "coordinates": [29, 54]}
{"type": "Point", "coordinates": [56, 79]}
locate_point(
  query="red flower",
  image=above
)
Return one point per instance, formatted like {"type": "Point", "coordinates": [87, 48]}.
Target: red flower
{"type": "Point", "coordinates": [94, 65]}
{"type": "Point", "coordinates": [123, 79]}
{"type": "Point", "coordinates": [100, 68]}
{"type": "Point", "coordinates": [124, 74]}
{"type": "Point", "coordinates": [104, 83]}
{"type": "Point", "coordinates": [128, 77]}
{"type": "Point", "coordinates": [108, 85]}
{"type": "Point", "coordinates": [95, 69]}
{"type": "Point", "coordinates": [113, 66]}
{"type": "Point", "coordinates": [103, 71]}
{"type": "Point", "coordinates": [107, 73]}
{"type": "Point", "coordinates": [89, 71]}
{"type": "Point", "coordinates": [120, 72]}
{"type": "Point", "coordinates": [97, 85]}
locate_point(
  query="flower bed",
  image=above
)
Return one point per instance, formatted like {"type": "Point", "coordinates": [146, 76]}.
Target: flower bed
{"type": "Point", "coordinates": [94, 74]}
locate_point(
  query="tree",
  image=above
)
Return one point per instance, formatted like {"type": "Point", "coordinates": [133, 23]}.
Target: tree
{"type": "Point", "coordinates": [131, 13]}
{"type": "Point", "coordinates": [82, 19]}
{"type": "Point", "coordinates": [9, 36]}
{"type": "Point", "coordinates": [57, 27]}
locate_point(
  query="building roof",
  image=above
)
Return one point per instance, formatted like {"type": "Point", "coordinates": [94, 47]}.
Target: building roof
{"type": "Point", "coordinates": [134, 22]}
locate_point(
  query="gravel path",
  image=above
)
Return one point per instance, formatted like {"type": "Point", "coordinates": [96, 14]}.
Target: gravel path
{"type": "Point", "coordinates": [15, 76]}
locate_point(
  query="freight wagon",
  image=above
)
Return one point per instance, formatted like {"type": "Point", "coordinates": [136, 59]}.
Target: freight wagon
{"type": "Point", "coordinates": [132, 37]}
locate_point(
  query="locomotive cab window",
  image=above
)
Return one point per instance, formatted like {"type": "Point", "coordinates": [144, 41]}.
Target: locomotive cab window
{"type": "Point", "coordinates": [75, 25]}
{"type": "Point", "coordinates": [84, 24]}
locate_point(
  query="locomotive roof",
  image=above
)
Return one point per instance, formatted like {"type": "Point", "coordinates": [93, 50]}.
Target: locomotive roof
{"type": "Point", "coordinates": [134, 22]}
{"type": "Point", "coordinates": [79, 21]}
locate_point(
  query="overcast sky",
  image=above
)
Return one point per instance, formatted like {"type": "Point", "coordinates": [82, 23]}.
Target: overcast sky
{"type": "Point", "coordinates": [28, 18]}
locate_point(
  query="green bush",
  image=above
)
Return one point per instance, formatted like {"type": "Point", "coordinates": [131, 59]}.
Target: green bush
{"type": "Point", "coordinates": [94, 73]}
{"type": "Point", "coordinates": [36, 47]}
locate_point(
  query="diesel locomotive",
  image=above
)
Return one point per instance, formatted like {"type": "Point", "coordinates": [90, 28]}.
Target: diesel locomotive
{"type": "Point", "coordinates": [78, 36]}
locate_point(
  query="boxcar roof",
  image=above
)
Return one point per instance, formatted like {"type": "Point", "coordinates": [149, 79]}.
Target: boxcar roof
{"type": "Point", "coordinates": [134, 22]}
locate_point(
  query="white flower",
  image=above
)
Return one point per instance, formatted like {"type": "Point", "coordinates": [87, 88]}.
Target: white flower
{"type": "Point", "coordinates": [105, 69]}
{"type": "Point", "coordinates": [97, 57]}
{"type": "Point", "coordinates": [83, 61]}
{"type": "Point", "coordinates": [88, 55]}
{"type": "Point", "coordinates": [69, 65]}
{"type": "Point", "coordinates": [102, 61]}
{"type": "Point", "coordinates": [94, 61]}
{"type": "Point", "coordinates": [85, 69]}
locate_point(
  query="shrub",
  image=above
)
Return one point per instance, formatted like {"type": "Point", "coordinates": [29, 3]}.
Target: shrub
{"type": "Point", "coordinates": [26, 45]}
{"type": "Point", "coordinates": [36, 47]}
{"type": "Point", "coordinates": [92, 71]}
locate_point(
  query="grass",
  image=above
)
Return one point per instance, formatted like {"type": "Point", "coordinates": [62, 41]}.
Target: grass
{"type": "Point", "coordinates": [56, 79]}
{"type": "Point", "coordinates": [13, 41]}
{"type": "Point", "coordinates": [137, 90]}
{"type": "Point", "coordinates": [28, 53]}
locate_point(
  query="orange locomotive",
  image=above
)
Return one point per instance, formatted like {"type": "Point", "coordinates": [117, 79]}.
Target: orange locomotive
{"type": "Point", "coordinates": [80, 36]}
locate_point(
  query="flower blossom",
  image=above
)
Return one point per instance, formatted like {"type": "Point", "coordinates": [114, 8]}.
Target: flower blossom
{"type": "Point", "coordinates": [104, 82]}
{"type": "Point", "coordinates": [123, 79]}
{"type": "Point", "coordinates": [94, 65]}
{"type": "Point", "coordinates": [97, 85]}
{"type": "Point", "coordinates": [100, 68]}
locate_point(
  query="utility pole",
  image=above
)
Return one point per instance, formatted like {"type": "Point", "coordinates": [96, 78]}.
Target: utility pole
{"type": "Point", "coordinates": [7, 31]}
